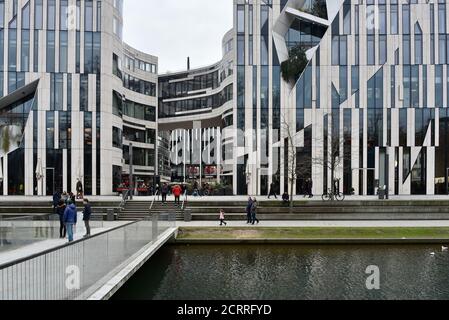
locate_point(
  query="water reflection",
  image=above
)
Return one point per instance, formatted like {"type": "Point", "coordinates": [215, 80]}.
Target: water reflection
{"type": "Point", "coordinates": [290, 272]}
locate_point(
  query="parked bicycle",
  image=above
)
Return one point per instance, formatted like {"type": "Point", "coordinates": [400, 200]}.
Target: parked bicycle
{"type": "Point", "coordinates": [329, 195]}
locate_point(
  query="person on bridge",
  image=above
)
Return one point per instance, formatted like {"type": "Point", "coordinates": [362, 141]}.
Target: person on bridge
{"type": "Point", "coordinates": [87, 213]}
{"type": "Point", "coordinates": [177, 193]}
{"type": "Point", "coordinates": [70, 219]}
{"type": "Point", "coordinates": [60, 210]}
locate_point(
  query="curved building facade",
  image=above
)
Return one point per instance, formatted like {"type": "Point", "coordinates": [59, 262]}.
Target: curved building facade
{"type": "Point", "coordinates": [195, 111]}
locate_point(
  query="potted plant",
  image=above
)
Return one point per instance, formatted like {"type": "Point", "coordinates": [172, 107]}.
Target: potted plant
{"type": "Point", "coordinates": [293, 67]}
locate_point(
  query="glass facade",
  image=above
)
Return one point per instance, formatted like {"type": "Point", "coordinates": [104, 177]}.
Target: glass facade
{"type": "Point", "coordinates": [52, 51]}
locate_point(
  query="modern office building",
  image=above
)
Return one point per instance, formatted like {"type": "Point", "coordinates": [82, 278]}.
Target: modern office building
{"type": "Point", "coordinates": [88, 97]}
{"type": "Point", "coordinates": [367, 110]}
{"type": "Point", "coordinates": [372, 99]}
{"type": "Point", "coordinates": [196, 116]}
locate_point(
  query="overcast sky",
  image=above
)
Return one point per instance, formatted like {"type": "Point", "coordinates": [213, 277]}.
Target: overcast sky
{"type": "Point", "coordinates": [176, 29]}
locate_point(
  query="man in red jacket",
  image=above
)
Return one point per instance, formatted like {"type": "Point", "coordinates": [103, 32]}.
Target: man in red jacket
{"type": "Point", "coordinates": [177, 193]}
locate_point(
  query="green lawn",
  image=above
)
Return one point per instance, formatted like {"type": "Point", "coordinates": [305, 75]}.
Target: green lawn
{"type": "Point", "coordinates": [313, 233]}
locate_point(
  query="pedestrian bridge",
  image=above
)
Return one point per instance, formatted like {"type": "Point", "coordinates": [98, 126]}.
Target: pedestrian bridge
{"type": "Point", "coordinates": [91, 268]}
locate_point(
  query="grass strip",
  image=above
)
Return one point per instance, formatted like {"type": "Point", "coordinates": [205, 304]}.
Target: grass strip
{"type": "Point", "coordinates": [314, 233]}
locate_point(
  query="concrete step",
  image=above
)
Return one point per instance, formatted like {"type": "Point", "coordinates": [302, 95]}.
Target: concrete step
{"type": "Point", "coordinates": [330, 217]}
{"type": "Point", "coordinates": [318, 203]}
{"type": "Point", "coordinates": [319, 210]}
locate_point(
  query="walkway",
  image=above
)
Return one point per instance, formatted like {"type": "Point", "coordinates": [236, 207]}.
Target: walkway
{"type": "Point", "coordinates": [321, 224]}
{"type": "Point", "coordinates": [45, 245]}
{"type": "Point", "coordinates": [55, 271]}
{"type": "Point", "coordinates": [5, 199]}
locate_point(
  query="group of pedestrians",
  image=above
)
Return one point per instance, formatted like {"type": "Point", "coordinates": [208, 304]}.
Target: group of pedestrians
{"type": "Point", "coordinates": [251, 213]}
{"type": "Point", "coordinates": [65, 208]}
{"type": "Point", "coordinates": [176, 191]}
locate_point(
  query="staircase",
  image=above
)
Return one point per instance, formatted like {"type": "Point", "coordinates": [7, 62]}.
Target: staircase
{"type": "Point", "coordinates": [137, 210]}
{"type": "Point", "coordinates": [168, 207]}
{"type": "Point", "coordinates": [320, 210]}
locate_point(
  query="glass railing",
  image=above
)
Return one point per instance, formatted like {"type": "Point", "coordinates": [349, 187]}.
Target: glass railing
{"type": "Point", "coordinates": [77, 270]}
{"type": "Point", "coordinates": [19, 232]}
{"type": "Point", "coordinates": [16, 232]}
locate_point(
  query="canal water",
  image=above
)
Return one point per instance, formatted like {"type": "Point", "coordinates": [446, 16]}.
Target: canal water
{"type": "Point", "coordinates": [289, 273]}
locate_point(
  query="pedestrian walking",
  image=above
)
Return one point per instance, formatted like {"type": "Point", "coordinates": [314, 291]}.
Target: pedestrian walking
{"type": "Point", "coordinates": [87, 213]}
{"type": "Point", "coordinates": [60, 211]}
{"type": "Point", "coordinates": [310, 188]}
{"type": "Point", "coordinates": [177, 193]}
{"type": "Point", "coordinates": [70, 219]}
{"type": "Point", "coordinates": [222, 218]}
{"type": "Point", "coordinates": [254, 212]}
{"type": "Point", "coordinates": [272, 191]}
{"type": "Point", "coordinates": [248, 210]}
{"type": "Point", "coordinates": [164, 192]}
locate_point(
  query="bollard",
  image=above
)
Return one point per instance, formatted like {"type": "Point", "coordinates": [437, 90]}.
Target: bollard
{"type": "Point", "coordinates": [171, 217]}
{"type": "Point", "coordinates": [187, 215]}
{"type": "Point", "coordinates": [110, 216]}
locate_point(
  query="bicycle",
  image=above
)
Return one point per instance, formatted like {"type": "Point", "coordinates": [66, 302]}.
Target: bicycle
{"type": "Point", "coordinates": [328, 196]}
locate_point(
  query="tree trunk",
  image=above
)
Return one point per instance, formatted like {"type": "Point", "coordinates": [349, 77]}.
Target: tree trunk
{"type": "Point", "coordinates": [291, 195]}
{"type": "Point", "coordinates": [333, 192]}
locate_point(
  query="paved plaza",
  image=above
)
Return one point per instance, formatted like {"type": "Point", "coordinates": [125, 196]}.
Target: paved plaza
{"type": "Point", "coordinates": [18, 199]}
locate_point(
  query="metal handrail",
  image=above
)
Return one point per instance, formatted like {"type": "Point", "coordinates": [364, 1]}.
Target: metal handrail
{"type": "Point", "coordinates": [184, 201]}
{"type": "Point", "coordinates": [124, 199]}
{"type": "Point", "coordinates": [123, 202]}
{"type": "Point", "coordinates": [154, 199]}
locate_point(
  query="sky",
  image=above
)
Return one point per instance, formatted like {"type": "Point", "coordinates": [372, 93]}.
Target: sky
{"type": "Point", "coordinates": [175, 29]}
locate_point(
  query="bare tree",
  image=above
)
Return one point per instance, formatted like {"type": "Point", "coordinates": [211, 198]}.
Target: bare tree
{"type": "Point", "coordinates": [295, 170]}
{"type": "Point", "coordinates": [330, 159]}
{"type": "Point", "coordinates": [291, 163]}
